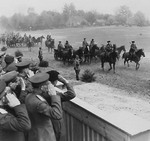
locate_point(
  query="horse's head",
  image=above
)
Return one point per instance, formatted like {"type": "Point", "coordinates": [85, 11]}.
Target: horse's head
{"type": "Point", "coordinates": [121, 48]}
{"type": "Point", "coordinates": [140, 52]}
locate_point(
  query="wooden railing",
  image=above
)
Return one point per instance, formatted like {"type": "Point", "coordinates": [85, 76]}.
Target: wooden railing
{"type": "Point", "coordinates": [86, 123]}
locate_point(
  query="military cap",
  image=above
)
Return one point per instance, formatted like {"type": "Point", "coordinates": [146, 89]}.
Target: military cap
{"type": "Point", "coordinates": [53, 75]}
{"type": "Point", "coordinates": [133, 41]}
{"type": "Point", "coordinates": [8, 77]}
{"type": "Point", "coordinates": [9, 59]}
{"type": "Point", "coordinates": [39, 78]}
{"type": "Point", "coordinates": [11, 67]}
{"type": "Point", "coordinates": [108, 41]}
{"type": "Point", "coordinates": [23, 64]}
{"type": "Point", "coordinates": [2, 87]}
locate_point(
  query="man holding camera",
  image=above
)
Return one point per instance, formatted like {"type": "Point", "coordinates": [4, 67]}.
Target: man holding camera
{"type": "Point", "coordinates": [14, 120]}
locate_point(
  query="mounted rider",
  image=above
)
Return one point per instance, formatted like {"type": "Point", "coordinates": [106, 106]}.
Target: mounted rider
{"type": "Point", "coordinates": [49, 38]}
{"type": "Point", "coordinates": [133, 49]}
{"type": "Point", "coordinates": [92, 43]}
{"type": "Point", "coordinates": [84, 43]}
{"type": "Point", "coordinates": [108, 48]}
{"type": "Point", "coordinates": [60, 46]}
{"type": "Point", "coordinates": [67, 46]}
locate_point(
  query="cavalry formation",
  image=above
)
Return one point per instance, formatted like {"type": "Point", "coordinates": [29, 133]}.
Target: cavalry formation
{"type": "Point", "coordinates": [86, 53]}
{"type": "Point", "coordinates": [106, 53]}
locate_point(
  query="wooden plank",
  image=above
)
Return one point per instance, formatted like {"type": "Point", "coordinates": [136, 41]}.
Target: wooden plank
{"type": "Point", "coordinates": [95, 122]}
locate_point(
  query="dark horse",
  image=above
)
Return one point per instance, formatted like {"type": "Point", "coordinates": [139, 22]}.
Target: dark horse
{"type": "Point", "coordinates": [94, 52]}
{"type": "Point", "coordinates": [50, 44]}
{"type": "Point", "coordinates": [136, 57]}
{"type": "Point", "coordinates": [68, 55]}
{"type": "Point", "coordinates": [120, 49]}
{"type": "Point", "coordinates": [110, 58]}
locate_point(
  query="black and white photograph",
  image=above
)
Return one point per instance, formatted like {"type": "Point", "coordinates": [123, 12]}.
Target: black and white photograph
{"type": "Point", "coordinates": [74, 70]}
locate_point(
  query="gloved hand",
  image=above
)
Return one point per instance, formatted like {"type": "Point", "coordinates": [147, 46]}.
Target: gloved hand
{"type": "Point", "coordinates": [62, 79]}
{"type": "Point", "coordinates": [12, 100]}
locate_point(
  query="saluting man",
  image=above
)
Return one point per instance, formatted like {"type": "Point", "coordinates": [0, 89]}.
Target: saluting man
{"type": "Point", "coordinates": [40, 112]}
{"type": "Point", "coordinates": [54, 77]}
{"type": "Point", "coordinates": [14, 120]}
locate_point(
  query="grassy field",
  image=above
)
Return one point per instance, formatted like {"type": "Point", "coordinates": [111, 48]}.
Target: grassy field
{"type": "Point", "coordinates": [117, 35]}
{"type": "Point", "coordinates": [134, 82]}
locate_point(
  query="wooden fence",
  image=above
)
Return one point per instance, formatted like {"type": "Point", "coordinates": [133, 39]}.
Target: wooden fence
{"type": "Point", "coordinates": [86, 123]}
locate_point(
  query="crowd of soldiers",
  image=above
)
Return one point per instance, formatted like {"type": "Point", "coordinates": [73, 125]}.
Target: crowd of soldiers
{"type": "Point", "coordinates": [31, 102]}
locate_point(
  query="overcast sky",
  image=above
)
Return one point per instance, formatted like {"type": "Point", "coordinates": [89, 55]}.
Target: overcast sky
{"type": "Point", "coordinates": [9, 7]}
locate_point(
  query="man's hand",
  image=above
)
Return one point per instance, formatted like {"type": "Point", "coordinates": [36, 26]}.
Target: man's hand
{"type": "Point", "coordinates": [12, 100]}
{"type": "Point", "coordinates": [23, 85]}
{"type": "Point", "coordinates": [51, 89]}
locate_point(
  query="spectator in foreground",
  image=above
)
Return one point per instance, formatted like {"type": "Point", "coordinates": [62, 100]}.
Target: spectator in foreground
{"type": "Point", "coordinates": [14, 120]}
{"type": "Point", "coordinates": [54, 77]}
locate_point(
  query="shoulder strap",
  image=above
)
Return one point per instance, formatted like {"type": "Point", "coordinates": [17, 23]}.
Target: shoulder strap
{"type": "Point", "coordinates": [2, 111]}
{"type": "Point", "coordinates": [40, 98]}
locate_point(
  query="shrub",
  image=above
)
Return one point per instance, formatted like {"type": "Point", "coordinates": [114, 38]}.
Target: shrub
{"type": "Point", "coordinates": [88, 76]}
{"type": "Point", "coordinates": [18, 53]}
{"type": "Point", "coordinates": [43, 64]}
{"type": "Point", "coordinates": [3, 48]}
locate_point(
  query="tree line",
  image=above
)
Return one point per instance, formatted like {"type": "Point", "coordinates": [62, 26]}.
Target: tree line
{"type": "Point", "coordinates": [70, 17]}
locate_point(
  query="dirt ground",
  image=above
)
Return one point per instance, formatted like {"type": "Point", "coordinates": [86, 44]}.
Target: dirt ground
{"type": "Point", "coordinates": [127, 89]}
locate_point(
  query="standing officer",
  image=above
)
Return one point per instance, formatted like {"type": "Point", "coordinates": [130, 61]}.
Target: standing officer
{"type": "Point", "coordinates": [59, 125]}
{"type": "Point", "coordinates": [40, 112]}
{"type": "Point", "coordinates": [40, 56]}
{"type": "Point", "coordinates": [14, 120]}
{"type": "Point", "coordinates": [77, 66]}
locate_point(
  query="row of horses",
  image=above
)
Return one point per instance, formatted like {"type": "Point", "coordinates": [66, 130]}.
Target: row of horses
{"type": "Point", "coordinates": [23, 41]}
{"type": "Point", "coordinates": [68, 56]}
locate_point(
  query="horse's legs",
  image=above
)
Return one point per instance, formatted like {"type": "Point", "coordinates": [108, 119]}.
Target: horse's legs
{"type": "Point", "coordinates": [137, 66]}
{"type": "Point", "coordinates": [102, 65]}
{"type": "Point", "coordinates": [114, 67]}
{"type": "Point", "coordinates": [110, 67]}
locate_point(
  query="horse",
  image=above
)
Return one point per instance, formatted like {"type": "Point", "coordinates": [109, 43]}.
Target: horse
{"type": "Point", "coordinates": [110, 57]}
{"type": "Point", "coordinates": [40, 40]}
{"type": "Point", "coordinates": [68, 55]}
{"type": "Point", "coordinates": [120, 49]}
{"type": "Point", "coordinates": [136, 57]}
{"type": "Point", "coordinates": [94, 52]}
{"type": "Point", "coordinates": [80, 53]}
{"type": "Point", "coordinates": [50, 44]}
{"type": "Point", "coordinates": [87, 54]}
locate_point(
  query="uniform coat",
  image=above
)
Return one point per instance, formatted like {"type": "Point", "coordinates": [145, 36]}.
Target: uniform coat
{"type": "Point", "coordinates": [41, 113]}
{"type": "Point", "coordinates": [13, 126]}
{"type": "Point", "coordinates": [59, 125]}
